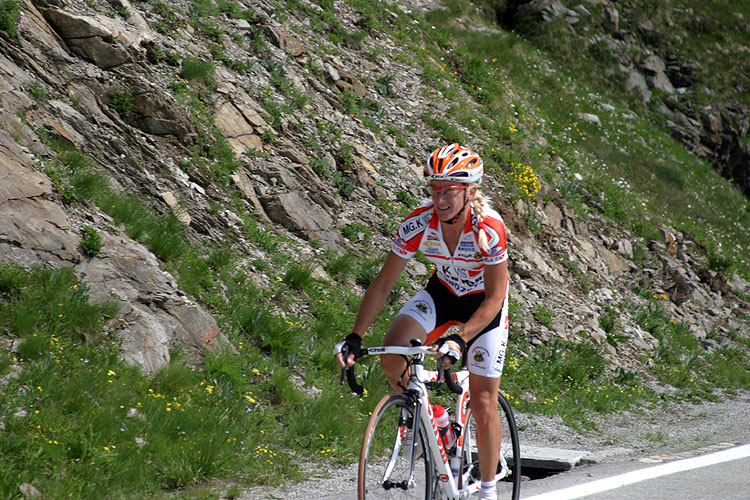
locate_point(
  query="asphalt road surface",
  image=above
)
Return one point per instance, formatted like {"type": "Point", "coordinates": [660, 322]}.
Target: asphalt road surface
{"type": "Point", "coordinates": [723, 475]}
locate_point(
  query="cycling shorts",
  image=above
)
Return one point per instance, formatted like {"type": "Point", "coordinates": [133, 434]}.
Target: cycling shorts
{"type": "Point", "coordinates": [436, 308]}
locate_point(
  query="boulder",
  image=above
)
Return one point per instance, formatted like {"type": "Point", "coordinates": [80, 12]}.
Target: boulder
{"type": "Point", "coordinates": [654, 68]}
{"type": "Point", "coordinates": [157, 113]}
{"type": "Point", "coordinates": [636, 81]}
{"type": "Point", "coordinates": [611, 19]}
{"type": "Point", "coordinates": [589, 118]}
{"type": "Point", "coordinates": [154, 315]}
{"type": "Point", "coordinates": [293, 211]}
{"type": "Point", "coordinates": [238, 131]}
{"type": "Point", "coordinates": [554, 215]}
{"type": "Point", "coordinates": [33, 229]}
{"type": "Point", "coordinates": [282, 38]}
{"type": "Point", "coordinates": [88, 38]}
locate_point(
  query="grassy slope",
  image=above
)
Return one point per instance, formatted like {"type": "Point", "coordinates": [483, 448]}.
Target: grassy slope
{"type": "Point", "coordinates": [98, 425]}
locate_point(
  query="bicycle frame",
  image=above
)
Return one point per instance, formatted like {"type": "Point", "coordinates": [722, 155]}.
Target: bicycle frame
{"type": "Point", "coordinates": [417, 389]}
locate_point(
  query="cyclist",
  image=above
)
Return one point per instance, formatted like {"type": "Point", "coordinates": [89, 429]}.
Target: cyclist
{"type": "Point", "coordinates": [465, 241]}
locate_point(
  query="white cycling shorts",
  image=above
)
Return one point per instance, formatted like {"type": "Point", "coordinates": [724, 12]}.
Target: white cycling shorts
{"type": "Point", "coordinates": [485, 353]}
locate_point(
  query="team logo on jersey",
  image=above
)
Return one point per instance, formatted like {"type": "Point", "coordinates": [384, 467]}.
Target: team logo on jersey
{"type": "Point", "coordinates": [480, 354]}
{"type": "Point", "coordinates": [478, 255]}
{"type": "Point", "coordinates": [413, 225]}
{"type": "Point", "coordinates": [423, 307]}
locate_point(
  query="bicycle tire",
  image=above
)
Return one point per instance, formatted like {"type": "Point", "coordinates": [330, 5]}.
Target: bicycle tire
{"type": "Point", "coordinates": [382, 447]}
{"type": "Point", "coordinates": [508, 487]}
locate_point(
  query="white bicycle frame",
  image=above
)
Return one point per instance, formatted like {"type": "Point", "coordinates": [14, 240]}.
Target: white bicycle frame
{"type": "Point", "coordinates": [418, 378]}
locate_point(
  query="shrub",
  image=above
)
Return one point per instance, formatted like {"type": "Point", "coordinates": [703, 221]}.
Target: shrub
{"type": "Point", "coordinates": [195, 69]}
{"type": "Point", "coordinates": [37, 91]}
{"type": "Point", "coordinates": [543, 315]}
{"type": "Point", "coordinates": [383, 85]}
{"type": "Point", "coordinates": [91, 243]}
{"type": "Point", "coordinates": [299, 276]}
{"type": "Point", "coordinates": [345, 155]}
{"type": "Point", "coordinates": [608, 320]}
{"type": "Point", "coordinates": [11, 17]}
{"type": "Point", "coordinates": [124, 103]}
{"type": "Point", "coordinates": [353, 230]}
{"type": "Point", "coordinates": [525, 180]}
{"type": "Point", "coordinates": [339, 265]}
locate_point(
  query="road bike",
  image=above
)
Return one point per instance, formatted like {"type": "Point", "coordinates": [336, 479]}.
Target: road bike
{"type": "Point", "coordinates": [403, 456]}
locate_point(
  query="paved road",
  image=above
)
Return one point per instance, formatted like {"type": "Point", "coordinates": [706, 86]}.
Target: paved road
{"type": "Point", "coordinates": [721, 475]}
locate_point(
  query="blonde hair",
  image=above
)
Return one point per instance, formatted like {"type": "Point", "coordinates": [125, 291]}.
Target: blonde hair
{"type": "Point", "coordinates": [479, 206]}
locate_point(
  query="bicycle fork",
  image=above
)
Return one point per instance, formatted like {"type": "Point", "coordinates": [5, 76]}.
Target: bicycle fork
{"type": "Point", "coordinates": [405, 425]}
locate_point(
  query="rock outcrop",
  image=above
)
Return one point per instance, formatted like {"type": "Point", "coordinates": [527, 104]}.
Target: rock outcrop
{"type": "Point", "coordinates": [310, 172]}
{"type": "Point", "coordinates": [155, 316]}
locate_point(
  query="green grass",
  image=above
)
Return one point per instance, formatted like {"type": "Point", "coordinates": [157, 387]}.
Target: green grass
{"type": "Point", "coordinates": [681, 360]}
{"type": "Point", "coordinates": [354, 230]}
{"type": "Point", "coordinates": [543, 315]}
{"type": "Point", "coordinates": [567, 379]}
{"type": "Point", "coordinates": [87, 412]}
{"type": "Point", "coordinates": [46, 301]}
{"type": "Point", "coordinates": [196, 69]}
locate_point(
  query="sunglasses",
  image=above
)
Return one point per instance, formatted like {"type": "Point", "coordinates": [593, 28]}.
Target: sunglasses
{"type": "Point", "coordinates": [448, 191]}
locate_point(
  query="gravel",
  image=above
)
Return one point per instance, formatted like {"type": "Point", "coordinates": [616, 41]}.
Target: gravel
{"type": "Point", "coordinates": [665, 433]}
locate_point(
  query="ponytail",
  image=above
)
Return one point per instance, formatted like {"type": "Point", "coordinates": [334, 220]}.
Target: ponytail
{"type": "Point", "coordinates": [479, 206]}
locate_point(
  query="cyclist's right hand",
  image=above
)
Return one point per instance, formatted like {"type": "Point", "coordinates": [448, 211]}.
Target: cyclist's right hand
{"type": "Point", "coordinates": [347, 350]}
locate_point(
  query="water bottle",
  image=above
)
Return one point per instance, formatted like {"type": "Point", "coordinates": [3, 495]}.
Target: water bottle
{"type": "Point", "coordinates": [443, 421]}
{"type": "Point", "coordinates": [454, 464]}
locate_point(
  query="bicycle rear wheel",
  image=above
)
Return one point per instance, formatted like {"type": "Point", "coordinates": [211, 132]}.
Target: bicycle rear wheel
{"type": "Point", "coordinates": [508, 475]}
{"type": "Point", "coordinates": [384, 463]}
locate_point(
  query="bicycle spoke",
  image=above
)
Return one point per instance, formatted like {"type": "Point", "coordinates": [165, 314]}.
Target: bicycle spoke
{"type": "Point", "coordinates": [400, 435]}
{"type": "Point", "coordinates": [385, 461]}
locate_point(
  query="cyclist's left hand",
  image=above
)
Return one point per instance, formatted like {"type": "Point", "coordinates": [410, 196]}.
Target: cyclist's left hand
{"type": "Point", "coordinates": [451, 348]}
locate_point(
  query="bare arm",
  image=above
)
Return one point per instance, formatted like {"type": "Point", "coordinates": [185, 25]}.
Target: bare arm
{"type": "Point", "coordinates": [375, 298]}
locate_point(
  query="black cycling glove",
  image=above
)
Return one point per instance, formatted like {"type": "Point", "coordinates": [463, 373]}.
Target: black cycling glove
{"type": "Point", "coordinates": [351, 344]}
{"type": "Point", "coordinates": [451, 347]}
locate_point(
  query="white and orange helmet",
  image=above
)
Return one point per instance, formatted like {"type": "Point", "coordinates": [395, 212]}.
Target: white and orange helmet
{"type": "Point", "coordinates": [454, 163]}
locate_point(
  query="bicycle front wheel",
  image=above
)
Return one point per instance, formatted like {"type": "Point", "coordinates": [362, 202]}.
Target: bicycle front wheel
{"type": "Point", "coordinates": [509, 469]}
{"type": "Point", "coordinates": [386, 470]}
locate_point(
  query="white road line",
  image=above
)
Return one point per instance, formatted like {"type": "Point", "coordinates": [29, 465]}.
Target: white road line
{"type": "Point", "coordinates": [636, 476]}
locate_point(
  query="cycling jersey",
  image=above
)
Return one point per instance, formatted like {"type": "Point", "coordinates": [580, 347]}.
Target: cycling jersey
{"type": "Point", "coordinates": [463, 272]}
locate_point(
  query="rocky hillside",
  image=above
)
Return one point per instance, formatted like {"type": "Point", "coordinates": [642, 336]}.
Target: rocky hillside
{"type": "Point", "coordinates": [309, 119]}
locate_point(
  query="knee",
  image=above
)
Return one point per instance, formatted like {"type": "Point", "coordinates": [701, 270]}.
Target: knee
{"type": "Point", "coordinates": [483, 407]}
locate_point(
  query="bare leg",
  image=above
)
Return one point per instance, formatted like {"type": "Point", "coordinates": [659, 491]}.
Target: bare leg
{"type": "Point", "coordinates": [484, 403]}
{"type": "Point", "coordinates": [402, 330]}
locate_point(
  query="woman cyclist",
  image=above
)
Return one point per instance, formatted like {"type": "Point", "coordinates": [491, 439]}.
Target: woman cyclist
{"type": "Point", "coordinates": [465, 241]}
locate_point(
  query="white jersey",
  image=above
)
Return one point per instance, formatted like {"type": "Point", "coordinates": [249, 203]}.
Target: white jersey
{"type": "Point", "coordinates": [463, 271]}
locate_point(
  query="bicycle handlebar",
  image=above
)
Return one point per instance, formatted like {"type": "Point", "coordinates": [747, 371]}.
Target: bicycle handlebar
{"type": "Point", "coordinates": [404, 351]}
